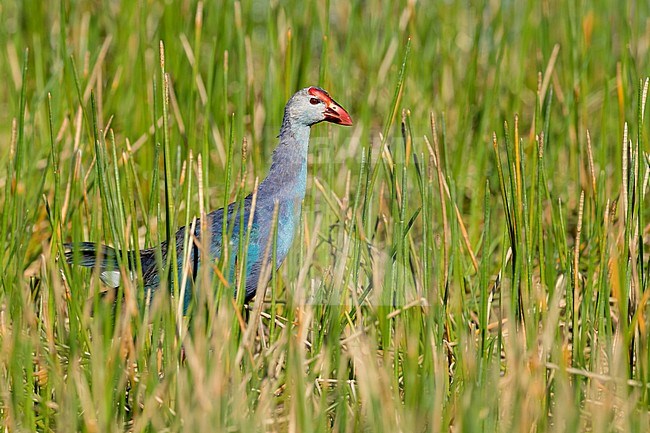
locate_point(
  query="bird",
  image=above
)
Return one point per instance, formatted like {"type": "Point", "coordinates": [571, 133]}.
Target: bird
{"type": "Point", "coordinates": [283, 188]}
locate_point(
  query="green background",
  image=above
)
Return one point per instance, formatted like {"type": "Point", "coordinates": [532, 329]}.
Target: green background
{"type": "Point", "coordinates": [473, 254]}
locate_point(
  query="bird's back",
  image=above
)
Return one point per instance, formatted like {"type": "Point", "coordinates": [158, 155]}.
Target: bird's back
{"type": "Point", "coordinates": [257, 251]}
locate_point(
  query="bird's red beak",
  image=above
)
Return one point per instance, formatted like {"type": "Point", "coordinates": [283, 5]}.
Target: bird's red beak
{"type": "Point", "coordinates": [336, 114]}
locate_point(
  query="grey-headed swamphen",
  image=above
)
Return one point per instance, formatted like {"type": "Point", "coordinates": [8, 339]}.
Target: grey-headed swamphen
{"type": "Point", "coordinates": [285, 185]}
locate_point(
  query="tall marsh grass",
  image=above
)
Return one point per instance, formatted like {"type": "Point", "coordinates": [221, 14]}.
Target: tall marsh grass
{"type": "Point", "coordinates": [472, 254]}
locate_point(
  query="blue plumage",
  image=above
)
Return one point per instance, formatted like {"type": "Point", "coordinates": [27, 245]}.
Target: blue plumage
{"type": "Point", "coordinates": [283, 187]}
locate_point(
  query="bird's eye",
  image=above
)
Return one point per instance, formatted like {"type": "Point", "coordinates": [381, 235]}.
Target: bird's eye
{"type": "Point", "coordinates": [314, 101]}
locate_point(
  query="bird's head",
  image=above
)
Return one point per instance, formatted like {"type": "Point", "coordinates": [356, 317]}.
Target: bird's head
{"type": "Point", "coordinates": [312, 105]}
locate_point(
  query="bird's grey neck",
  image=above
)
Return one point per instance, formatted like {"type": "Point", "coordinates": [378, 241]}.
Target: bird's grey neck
{"type": "Point", "coordinates": [288, 173]}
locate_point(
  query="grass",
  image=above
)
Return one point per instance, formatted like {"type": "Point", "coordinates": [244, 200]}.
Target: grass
{"type": "Point", "coordinates": [472, 255]}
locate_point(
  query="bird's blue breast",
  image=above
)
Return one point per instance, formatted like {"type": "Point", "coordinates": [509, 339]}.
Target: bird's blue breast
{"type": "Point", "coordinates": [285, 187]}
{"type": "Point", "coordinates": [257, 251]}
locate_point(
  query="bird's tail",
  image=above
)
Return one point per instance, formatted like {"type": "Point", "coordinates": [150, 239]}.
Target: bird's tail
{"type": "Point", "coordinates": [93, 255]}
{"type": "Point", "coordinates": [90, 255]}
